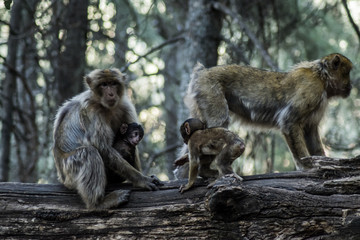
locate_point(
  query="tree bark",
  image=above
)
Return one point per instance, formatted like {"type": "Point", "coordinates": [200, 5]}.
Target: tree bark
{"type": "Point", "coordinates": [203, 25]}
{"type": "Point", "coordinates": [173, 57]}
{"type": "Point", "coordinates": [323, 203]}
{"type": "Point", "coordinates": [71, 62]}
{"type": "Point", "coordinates": [27, 144]}
{"type": "Point", "coordinates": [9, 88]}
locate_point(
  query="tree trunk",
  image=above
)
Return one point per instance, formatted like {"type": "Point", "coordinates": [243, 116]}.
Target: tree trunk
{"type": "Point", "coordinates": [9, 87]}
{"type": "Point", "coordinates": [323, 203]}
{"type": "Point", "coordinates": [173, 57]}
{"type": "Point", "coordinates": [122, 19]}
{"type": "Point", "coordinates": [70, 65]}
{"type": "Point", "coordinates": [203, 37]}
{"type": "Point", "coordinates": [27, 134]}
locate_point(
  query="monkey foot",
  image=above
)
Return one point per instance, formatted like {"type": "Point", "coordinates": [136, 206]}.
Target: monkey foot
{"type": "Point", "coordinates": [184, 188]}
{"type": "Point", "coordinates": [210, 185]}
{"type": "Point", "coordinates": [115, 199]}
{"type": "Point", "coordinates": [230, 178]}
{"type": "Point", "coordinates": [123, 196]}
{"type": "Point", "coordinates": [234, 175]}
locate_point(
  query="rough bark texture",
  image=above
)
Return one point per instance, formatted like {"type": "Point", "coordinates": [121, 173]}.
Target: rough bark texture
{"type": "Point", "coordinates": [323, 203]}
{"type": "Point", "coordinates": [203, 35]}
{"type": "Point", "coordinates": [8, 90]}
{"type": "Point", "coordinates": [71, 61]}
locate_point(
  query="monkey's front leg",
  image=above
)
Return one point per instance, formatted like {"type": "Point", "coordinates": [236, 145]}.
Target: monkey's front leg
{"type": "Point", "coordinates": [193, 173]}
{"type": "Point", "coordinates": [296, 142]}
{"type": "Point", "coordinates": [124, 169]}
{"type": "Point", "coordinates": [313, 141]}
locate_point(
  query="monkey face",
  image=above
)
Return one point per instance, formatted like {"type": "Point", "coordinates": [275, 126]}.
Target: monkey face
{"type": "Point", "coordinates": [339, 68]}
{"type": "Point", "coordinates": [134, 137]}
{"type": "Point", "coordinates": [107, 86]}
{"type": "Point", "coordinates": [345, 80]}
{"type": "Point", "coordinates": [346, 90]}
{"type": "Point", "coordinates": [109, 93]}
{"type": "Point", "coordinates": [189, 127]}
{"type": "Point", "coordinates": [134, 133]}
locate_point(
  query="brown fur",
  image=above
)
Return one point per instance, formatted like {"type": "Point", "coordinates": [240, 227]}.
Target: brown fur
{"type": "Point", "coordinates": [223, 145]}
{"type": "Point", "coordinates": [293, 102]}
{"type": "Point", "coordinates": [84, 132]}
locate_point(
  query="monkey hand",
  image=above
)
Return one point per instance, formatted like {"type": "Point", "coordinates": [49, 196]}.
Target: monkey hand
{"type": "Point", "coordinates": [156, 180]}
{"type": "Point", "coordinates": [149, 183]}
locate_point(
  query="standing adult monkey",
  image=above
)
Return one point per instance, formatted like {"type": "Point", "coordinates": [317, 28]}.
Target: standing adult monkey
{"type": "Point", "coordinates": [84, 133]}
{"type": "Point", "coordinates": [293, 102]}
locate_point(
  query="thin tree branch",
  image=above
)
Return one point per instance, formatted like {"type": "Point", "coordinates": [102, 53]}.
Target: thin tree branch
{"type": "Point", "coordinates": [21, 77]}
{"type": "Point", "coordinates": [170, 41]}
{"type": "Point", "coordinates": [356, 28]}
{"type": "Point", "coordinates": [221, 7]}
{"type": "Point", "coordinates": [155, 155]}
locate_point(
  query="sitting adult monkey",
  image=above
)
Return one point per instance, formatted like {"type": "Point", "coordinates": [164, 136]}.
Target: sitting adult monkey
{"type": "Point", "coordinates": [293, 102]}
{"type": "Point", "coordinates": [84, 132]}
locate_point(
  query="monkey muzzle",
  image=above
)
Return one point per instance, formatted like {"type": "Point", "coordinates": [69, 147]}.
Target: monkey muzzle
{"type": "Point", "coordinates": [111, 102]}
{"type": "Point", "coordinates": [346, 91]}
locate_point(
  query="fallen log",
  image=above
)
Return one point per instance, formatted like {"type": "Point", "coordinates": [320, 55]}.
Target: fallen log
{"type": "Point", "coordinates": [323, 203]}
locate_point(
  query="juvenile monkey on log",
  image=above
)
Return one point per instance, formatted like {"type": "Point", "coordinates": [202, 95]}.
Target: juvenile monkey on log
{"type": "Point", "coordinates": [293, 102]}
{"type": "Point", "coordinates": [84, 132]}
{"type": "Point", "coordinates": [126, 141]}
{"type": "Point", "coordinates": [223, 145]}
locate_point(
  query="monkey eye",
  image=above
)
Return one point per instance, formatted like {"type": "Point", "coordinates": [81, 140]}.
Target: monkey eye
{"type": "Point", "coordinates": [104, 84]}
{"type": "Point", "coordinates": [134, 134]}
{"type": "Point", "coordinates": [107, 84]}
{"type": "Point", "coordinates": [113, 83]}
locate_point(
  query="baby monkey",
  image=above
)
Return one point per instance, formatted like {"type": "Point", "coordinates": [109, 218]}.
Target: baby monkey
{"type": "Point", "coordinates": [128, 137]}
{"type": "Point", "coordinates": [225, 145]}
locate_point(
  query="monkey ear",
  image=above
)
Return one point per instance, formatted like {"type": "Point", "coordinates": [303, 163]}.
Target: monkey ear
{"type": "Point", "coordinates": [335, 62]}
{"type": "Point", "coordinates": [124, 77]}
{"type": "Point", "coordinates": [187, 128]}
{"type": "Point", "coordinates": [88, 80]}
{"type": "Point", "coordinates": [123, 128]}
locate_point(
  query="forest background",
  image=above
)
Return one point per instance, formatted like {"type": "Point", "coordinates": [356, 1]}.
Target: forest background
{"type": "Point", "coordinates": [47, 47]}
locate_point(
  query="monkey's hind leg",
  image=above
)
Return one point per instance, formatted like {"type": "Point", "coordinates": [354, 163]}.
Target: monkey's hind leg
{"type": "Point", "coordinates": [205, 170]}
{"type": "Point", "coordinates": [225, 158]}
{"type": "Point", "coordinates": [91, 183]}
{"type": "Point", "coordinates": [223, 162]}
{"type": "Point", "coordinates": [85, 172]}
{"type": "Point", "coordinates": [114, 199]}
